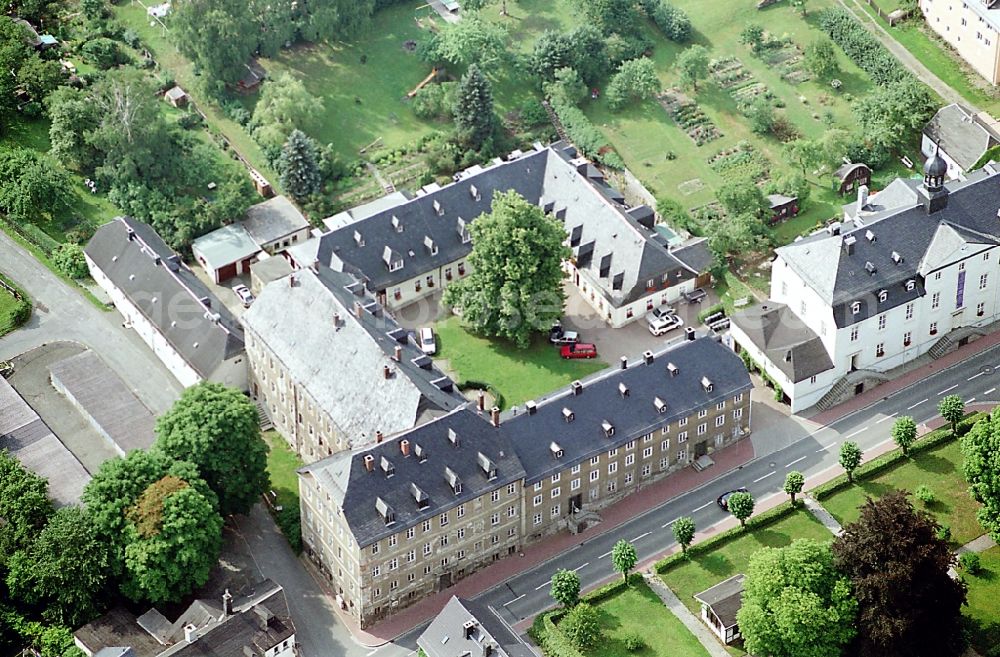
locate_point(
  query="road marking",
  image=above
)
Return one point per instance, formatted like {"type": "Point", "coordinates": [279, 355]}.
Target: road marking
{"type": "Point", "coordinates": [887, 417]}
{"type": "Point", "coordinates": [671, 522]}
{"type": "Point", "coordinates": [801, 458]}
{"type": "Point", "coordinates": [640, 537]}
{"type": "Point", "coordinates": [977, 374]}
{"type": "Point", "coordinates": [515, 599]}
{"type": "Point", "coordinates": [948, 389]}
{"type": "Point", "coordinates": [372, 653]}
{"type": "Point", "coordinates": [861, 430]}
{"type": "Point", "coordinates": [605, 554]}
{"type": "Point", "coordinates": [542, 586]}
{"type": "Point", "coordinates": [703, 506]}
{"type": "Point", "coordinates": [990, 391]}
{"type": "Point", "coordinates": [970, 400]}
{"type": "Point", "coordinates": [910, 408]}
{"type": "Point", "coordinates": [764, 477]}
{"type": "Point", "coordinates": [823, 449]}
{"type": "Point", "coordinates": [581, 567]}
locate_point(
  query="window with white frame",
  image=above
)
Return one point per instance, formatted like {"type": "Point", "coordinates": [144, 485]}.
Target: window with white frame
{"type": "Point", "coordinates": [612, 468]}
{"type": "Point", "coordinates": [646, 470]}
{"type": "Point", "coordinates": [556, 492]}
{"type": "Point", "coordinates": [682, 437]}
{"type": "Point", "coordinates": [647, 452]}
{"type": "Point", "coordinates": [854, 334]}
{"type": "Point", "coordinates": [594, 475]}
{"type": "Point", "coordinates": [737, 413]}
{"type": "Point", "coordinates": [720, 420]}
{"type": "Point", "coordinates": [555, 511]}
{"type": "Point", "coordinates": [664, 463]}
{"type": "Point", "coordinates": [556, 477]}
{"type": "Point", "coordinates": [574, 484]}
{"type": "Point", "coordinates": [982, 281]}
{"type": "Point", "coordinates": [538, 500]}
{"type": "Point", "coordinates": [881, 322]}
{"type": "Point", "coordinates": [575, 469]}
{"type": "Point", "coordinates": [909, 311]}
{"type": "Point", "coordinates": [537, 518]}
{"type": "Point", "coordinates": [629, 459]}
{"type": "Point", "coordinates": [703, 412]}
{"type": "Point", "coordinates": [702, 428]}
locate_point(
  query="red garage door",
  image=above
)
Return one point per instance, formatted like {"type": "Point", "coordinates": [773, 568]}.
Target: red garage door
{"type": "Point", "coordinates": [225, 273]}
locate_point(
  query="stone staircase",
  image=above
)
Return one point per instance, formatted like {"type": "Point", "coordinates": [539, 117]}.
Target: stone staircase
{"type": "Point", "coordinates": [554, 118]}
{"type": "Point", "coordinates": [262, 416]}
{"type": "Point", "coordinates": [950, 342]}
{"type": "Point", "coordinates": [844, 389]}
{"type": "Point", "coordinates": [579, 521]}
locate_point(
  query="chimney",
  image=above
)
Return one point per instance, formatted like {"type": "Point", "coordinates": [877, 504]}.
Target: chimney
{"type": "Point", "coordinates": [647, 356]}
{"type": "Point", "coordinates": [531, 407]}
{"type": "Point", "coordinates": [862, 198]}
{"type": "Point", "coordinates": [369, 462]}
{"type": "Point", "coordinates": [291, 280]}
{"type": "Point", "coordinates": [577, 387]}
{"type": "Point", "coordinates": [190, 633]}
{"type": "Point", "coordinates": [358, 309]}
{"type": "Point", "coordinates": [227, 603]}
{"type": "Point", "coordinates": [404, 447]}
{"type": "Point", "coordinates": [397, 354]}
{"type": "Point", "coordinates": [379, 436]}
{"type": "Point", "coordinates": [690, 333]}
{"type": "Point", "coordinates": [336, 319]}
{"type": "Point", "coordinates": [481, 401]}
{"type": "Point", "coordinates": [624, 362]}
{"type": "Point", "coordinates": [495, 416]}
{"type": "Point", "coordinates": [386, 372]}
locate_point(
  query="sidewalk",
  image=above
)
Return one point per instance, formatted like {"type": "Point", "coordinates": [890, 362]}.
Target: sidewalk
{"type": "Point", "coordinates": [684, 615]}
{"type": "Point", "coordinates": [821, 514]}
{"type": "Point", "coordinates": [916, 375]}
{"type": "Point", "coordinates": [549, 548]}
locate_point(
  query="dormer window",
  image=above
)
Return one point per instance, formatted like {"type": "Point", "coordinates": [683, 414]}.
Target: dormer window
{"type": "Point", "coordinates": [358, 239]}
{"type": "Point", "coordinates": [556, 450]}
{"type": "Point", "coordinates": [870, 268]}
{"type": "Point", "coordinates": [474, 193]}
{"type": "Point", "coordinates": [672, 369]}
{"type": "Point", "coordinates": [661, 406]}
{"type": "Point", "coordinates": [453, 480]}
{"type": "Point", "coordinates": [397, 224]}
{"type": "Point", "coordinates": [896, 258]}
{"type": "Point", "coordinates": [870, 236]}
{"type": "Point", "coordinates": [609, 429]}
{"type": "Point", "coordinates": [438, 208]}
{"type": "Point", "coordinates": [706, 383]}
{"type": "Point", "coordinates": [623, 390]}
{"type": "Point", "coordinates": [420, 453]}
{"type": "Point", "coordinates": [387, 467]}
{"type": "Point", "coordinates": [463, 231]}
{"type": "Point", "coordinates": [392, 260]}
{"type": "Point", "coordinates": [430, 245]}
{"type": "Point", "coordinates": [486, 464]}
{"type": "Point", "coordinates": [910, 285]}
{"type": "Point", "coordinates": [419, 496]}
{"type": "Point", "coordinates": [453, 437]}
{"type": "Point", "coordinates": [384, 510]}
{"type": "Point", "coordinates": [855, 307]}
{"type": "Point", "coordinates": [882, 296]}
{"type": "Point", "coordinates": [568, 414]}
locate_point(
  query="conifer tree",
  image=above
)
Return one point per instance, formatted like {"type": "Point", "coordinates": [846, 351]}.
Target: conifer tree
{"type": "Point", "coordinates": [299, 166]}
{"type": "Point", "coordinates": [474, 108]}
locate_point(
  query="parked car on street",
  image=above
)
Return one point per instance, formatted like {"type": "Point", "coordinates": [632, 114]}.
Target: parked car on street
{"type": "Point", "coordinates": [664, 325]}
{"type": "Point", "coordinates": [578, 350]}
{"type": "Point", "coordinates": [723, 500]}
{"type": "Point", "coordinates": [244, 294]}
{"type": "Point", "coordinates": [557, 335]}
{"type": "Point", "coordinates": [425, 338]}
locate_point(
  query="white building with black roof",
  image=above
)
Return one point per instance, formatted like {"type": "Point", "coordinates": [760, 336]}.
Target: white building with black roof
{"type": "Point", "coordinates": [173, 312]}
{"type": "Point", "coordinates": [918, 277]}
{"type": "Point", "coordinates": [466, 628]}
{"type": "Point", "coordinates": [411, 247]}
{"type": "Point", "coordinates": [404, 518]}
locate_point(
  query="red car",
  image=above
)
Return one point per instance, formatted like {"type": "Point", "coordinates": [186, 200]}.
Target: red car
{"type": "Point", "coordinates": [578, 350]}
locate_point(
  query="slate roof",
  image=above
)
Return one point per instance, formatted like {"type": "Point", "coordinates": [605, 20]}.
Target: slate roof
{"type": "Point", "coordinates": [602, 230]}
{"type": "Point", "coordinates": [960, 134]}
{"type": "Point", "coordinates": [165, 290]}
{"type": "Point", "coordinates": [793, 347]}
{"type": "Point", "coordinates": [118, 627]}
{"type": "Point", "coordinates": [901, 192]}
{"type": "Point", "coordinates": [273, 219]}
{"type": "Point", "coordinates": [30, 441]}
{"type": "Point", "coordinates": [341, 366]}
{"type": "Point", "coordinates": [521, 447]}
{"type": "Point", "coordinates": [897, 246]}
{"type": "Point", "coordinates": [226, 245]}
{"type": "Point", "coordinates": [725, 599]}
{"type": "Point", "coordinates": [446, 635]}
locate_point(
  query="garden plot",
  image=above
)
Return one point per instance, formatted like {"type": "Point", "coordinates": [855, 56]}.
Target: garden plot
{"type": "Point", "coordinates": [787, 60]}
{"type": "Point", "coordinates": [741, 161]}
{"type": "Point", "coordinates": [686, 113]}
{"type": "Point", "coordinates": [729, 72]}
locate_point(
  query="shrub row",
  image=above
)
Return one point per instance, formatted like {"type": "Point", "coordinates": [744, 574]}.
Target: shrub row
{"type": "Point", "coordinates": [759, 521]}
{"type": "Point", "coordinates": [670, 20]}
{"type": "Point", "coordinates": [21, 311]}
{"type": "Point", "coordinates": [471, 384]}
{"type": "Point", "coordinates": [862, 47]}
{"type": "Point", "coordinates": [585, 135]}
{"type": "Point", "coordinates": [880, 464]}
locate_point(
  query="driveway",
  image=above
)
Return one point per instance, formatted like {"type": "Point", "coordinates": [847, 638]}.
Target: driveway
{"type": "Point", "coordinates": [63, 314]}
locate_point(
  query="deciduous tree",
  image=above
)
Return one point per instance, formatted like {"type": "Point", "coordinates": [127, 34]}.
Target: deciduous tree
{"type": "Point", "coordinates": [692, 64]}
{"type": "Point", "coordinates": [33, 187]}
{"type": "Point", "coordinates": [515, 287]}
{"type": "Point", "coordinates": [25, 507]}
{"type": "Point", "coordinates": [683, 529]}
{"type": "Point", "coordinates": [908, 604]}
{"type": "Point", "coordinates": [981, 466]}
{"type": "Point", "coordinates": [636, 79]}
{"type": "Point", "coordinates": [69, 259]}
{"type": "Point", "coordinates": [743, 197]}
{"type": "Point", "coordinates": [741, 506]}
{"type": "Point", "coordinates": [217, 429]}
{"type": "Point", "coordinates": [565, 587]}
{"type": "Point", "coordinates": [624, 558]}
{"type": "Point", "coordinates": [218, 35]}
{"type": "Point", "coordinates": [752, 35]}
{"type": "Point", "coordinates": [850, 458]}
{"type": "Point", "coordinates": [795, 603]}
{"type": "Point", "coordinates": [73, 115]}
{"type": "Point", "coordinates": [952, 409]}
{"type": "Point", "coordinates": [284, 106]}
{"type": "Point", "coordinates": [582, 626]}
{"type": "Point", "coordinates": [821, 59]}
{"type": "Point", "coordinates": [904, 433]}
{"type": "Point", "coordinates": [889, 117]}
{"type": "Point", "coordinates": [473, 40]}
{"type": "Point", "coordinates": [794, 481]}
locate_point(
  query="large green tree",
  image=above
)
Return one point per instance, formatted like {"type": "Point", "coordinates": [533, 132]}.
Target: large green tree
{"type": "Point", "coordinates": [218, 35]}
{"type": "Point", "coordinates": [908, 604]}
{"type": "Point", "coordinates": [33, 187]}
{"type": "Point", "coordinates": [795, 603]}
{"type": "Point", "coordinates": [624, 558]}
{"type": "Point", "coordinates": [515, 287]}
{"type": "Point", "coordinates": [683, 529]}
{"type": "Point", "coordinates": [174, 535]}
{"type": "Point", "coordinates": [636, 79]}
{"type": "Point", "coordinates": [821, 59]}
{"type": "Point", "coordinates": [582, 626]}
{"type": "Point", "coordinates": [743, 197]}
{"type": "Point", "coordinates": [299, 166]}
{"type": "Point", "coordinates": [565, 587]}
{"type": "Point", "coordinates": [14, 51]}
{"type": "Point", "coordinates": [217, 429]}
{"type": "Point", "coordinates": [25, 507]}
{"type": "Point", "coordinates": [890, 117]}
{"type": "Point", "coordinates": [692, 65]}
{"type": "Point", "coordinates": [904, 433]}
{"type": "Point", "coordinates": [981, 466]}
{"type": "Point", "coordinates": [474, 115]}
{"type": "Point", "coordinates": [609, 15]}
{"type": "Point", "coordinates": [850, 458]}
{"type": "Point", "coordinates": [473, 40]}
{"type": "Point", "coordinates": [284, 105]}
{"type": "Point", "coordinates": [741, 505]}
{"type": "Point", "coordinates": [794, 481]}
{"type": "Point", "coordinates": [952, 409]}
{"type": "Point", "coordinates": [64, 570]}
{"type": "Point", "coordinates": [73, 115]}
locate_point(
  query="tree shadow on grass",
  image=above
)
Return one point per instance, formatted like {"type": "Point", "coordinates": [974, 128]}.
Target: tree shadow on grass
{"type": "Point", "coordinates": [876, 489]}
{"type": "Point", "coordinates": [936, 464]}
{"type": "Point", "coordinates": [771, 538]}
{"type": "Point", "coordinates": [607, 620]}
{"type": "Point", "coordinates": [716, 564]}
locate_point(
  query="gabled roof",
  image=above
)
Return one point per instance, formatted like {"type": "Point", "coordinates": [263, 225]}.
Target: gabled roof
{"type": "Point", "coordinates": [961, 134]}
{"type": "Point", "coordinates": [724, 599]}
{"type": "Point", "coordinates": [310, 321]}
{"type": "Point", "coordinates": [464, 628]}
{"type": "Point", "coordinates": [154, 278]}
{"type": "Point", "coordinates": [793, 347]}
{"type": "Point", "coordinates": [273, 219]}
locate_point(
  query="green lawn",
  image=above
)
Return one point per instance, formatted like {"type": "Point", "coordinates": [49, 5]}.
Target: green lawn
{"type": "Point", "coordinates": [7, 305]}
{"type": "Point", "coordinates": [941, 470]}
{"type": "Point", "coordinates": [518, 374]}
{"type": "Point", "coordinates": [282, 463]}
{"type": "Point", "coordinates": [638, 610]}
{"type": "Point", "coordinates": [706, 570]}
{"type": "Point", "coordinates": [984, 605]}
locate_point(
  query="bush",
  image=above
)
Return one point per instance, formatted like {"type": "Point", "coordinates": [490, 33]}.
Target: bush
{"type": "Point", "coordinates": [533, 114]}
{"type": "Point", "coordinates": [862, 47]}
{"type": "Point", "coordinates": [634, 642]}
{"type": "Point", "coordinates": [670, 20]}
{"type": "Point", "coordinates": [925, 494]}
{"type": "Point", "coordinates": [970, 562]}
{"type": "Point", "coordinates": [68, 258]}
{"type": "Point", "coordinates": [105, 53]}
{"type": "Point", "coordinates": [944, 533]}
{"type": "Point", "coordinates": [290, 522]}
{"type": "Point", "coordinates": [190, 120]}
{"type": "Point", "coordinates": [581, 626]}
{"type": "Point", "coordinates": [435, 101]}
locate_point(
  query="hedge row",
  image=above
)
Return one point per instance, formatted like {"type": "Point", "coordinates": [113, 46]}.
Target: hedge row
{"type": "Point", "coordinates": [21, 311]}
{"type": "Point", "coordinates": [877, 465]}
{"type": "Point", "coordinates": [862, 47]}
{"type": "Point", "coordinates": [470, 384]}
{"type": "Point", "coordinates": [673, 22]}
{"type": "Point", "coordinates": [585, 134]}
{"type": "Point", "coordinates": [759, 521]}
{"type": "Point", "coordinates": [543, 630]}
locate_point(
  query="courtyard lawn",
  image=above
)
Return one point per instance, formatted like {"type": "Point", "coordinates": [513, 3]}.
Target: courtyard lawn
{"type": "Point", "coordinates": [517, 374]}
{"type": "Point", "coordinates": [983, 612]}
{"type": "Point", "coordinates": [282, 463]}
{"type": "Point", "coordinates": [941, 470]}
{"type": "Point", "coordinates": [703, 571]}
{"type": "Point", "coordinates": [639, 611]}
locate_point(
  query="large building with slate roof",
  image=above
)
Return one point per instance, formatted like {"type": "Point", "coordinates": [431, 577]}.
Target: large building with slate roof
{"type": "Point", "coordinates": [880, 290]}
{"type": "Point", "coordinates": [332, 369]}
{"type": "Point", "coordinates": [408, 516]}
{"type": "Point", "coordinates": [466, 628]}
{"type": "Point", "coordinates": [174, 313]}
{"type": "Point", "coordinates": [410, 247]}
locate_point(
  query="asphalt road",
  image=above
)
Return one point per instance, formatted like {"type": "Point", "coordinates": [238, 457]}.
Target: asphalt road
{"type": "Point", "coordinates": [527, 594]}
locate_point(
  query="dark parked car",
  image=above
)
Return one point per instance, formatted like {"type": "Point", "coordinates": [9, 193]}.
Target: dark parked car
{"type": "Point", "coordinates": [723, 500]}
{"type": "Point", "coordinates": [578, 350]}
{"type": "Point", "coordinates": [695, 296]}
{"type": "Point", "coordinates": [557, 335]}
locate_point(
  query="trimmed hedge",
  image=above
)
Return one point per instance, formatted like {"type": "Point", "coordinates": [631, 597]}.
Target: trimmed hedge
{"type": "Point", "coordinates": [471, 384]}
{"type": "Point", "coordinates": [862, 47]}
{"type": "Point", "coordinates": [759, 521]}
{"type": "Point", "coordinates": [934, 439]}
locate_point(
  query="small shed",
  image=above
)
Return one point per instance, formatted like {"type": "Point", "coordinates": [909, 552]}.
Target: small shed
{"type": "Point", "coordinates": [719, 606]}
{"type": "Point", "coordinates": [252, 78]}
{"type": "Point", "coordinates": [851, 176]}
{"type": "Point", "coordinates": [176, 97]}
{"type": "Point", "coordinates": [782, 207]}
{"type": "Point", "coordinates": [225, 253]}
